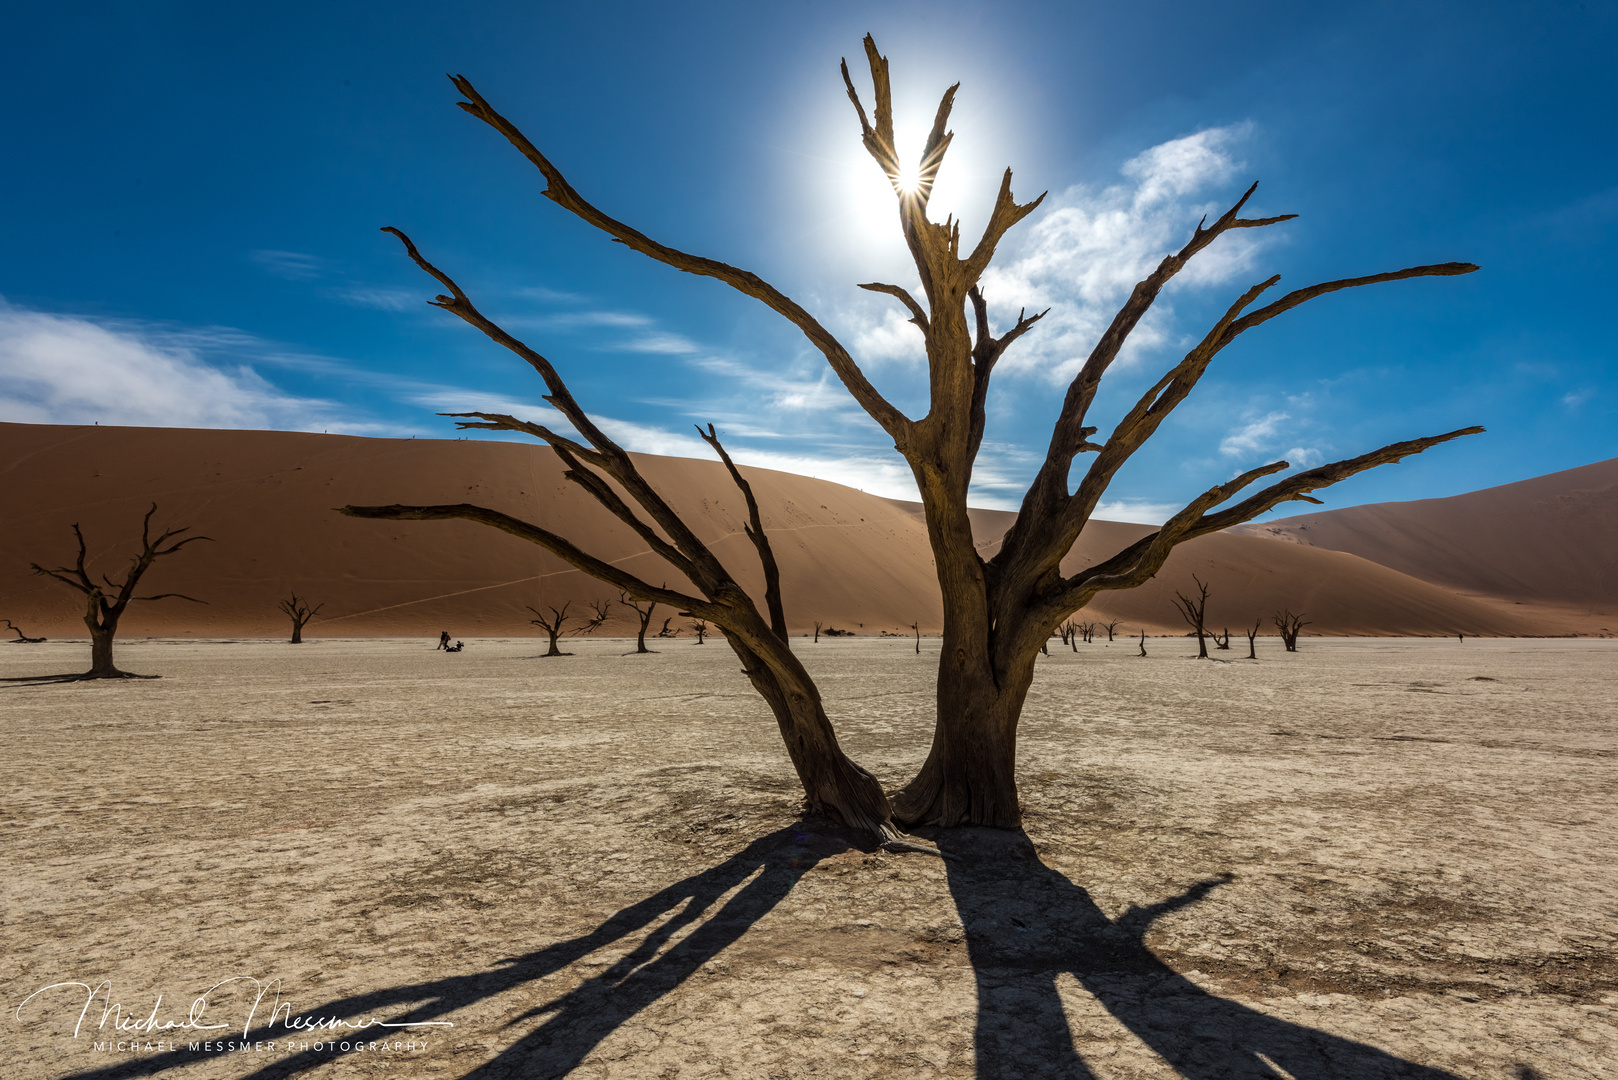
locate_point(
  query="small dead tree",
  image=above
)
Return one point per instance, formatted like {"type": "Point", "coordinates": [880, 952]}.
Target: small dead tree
{"type": "Point", "coordinates": [1252, 639]}
{"type": "Point", "coordinates": [1110, 627]}
{"type": "Point", "coordinates": [1221, 642]}
{"type": "Point", "coordinates": [1143, 642]}
{"type": "Point", "coordinates": [300, 613]}
{"type": "Point", "coordinates": [1193, 609]}
{"type": "Point", "coordinates": [598, 616]}
{"type": "Point", "coordinates": [670, 631]}
{"type": "Point", "coordinates": [644, 614]}
{"type": "Point", "coordinates": [106, 600]}
{"type": "Point", "coordinates": [998, 613]}
{"type": "Point", "coordinates": [553, 624]}
{"type": "Point", "coordinates": [699, 628]}
{"type": "Point", "coordinates": [1289, 625]}
{"type": "Point", "coordinates": [22, 638]}
{"type": "Point", "coordinates": [818, 625]}
{"type": "Point", "coordinates": [916, 626]}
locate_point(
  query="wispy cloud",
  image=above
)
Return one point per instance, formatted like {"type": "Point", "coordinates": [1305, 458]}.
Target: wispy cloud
{"type": "Point", "coordinates": [1253, 436]}
{"type": "Point", "coordinates": [289, 265]}
{"type": "Point", "coordinates": [1083, 255]}
{"type": "Point", "coordinates": [1135, 510]}
{"type": "Point", "coordinates": [660, 343]}
{"type": "Point", "coordinates": [57, 369]}
{"type": "Point", "coordinates": [1574, 398]}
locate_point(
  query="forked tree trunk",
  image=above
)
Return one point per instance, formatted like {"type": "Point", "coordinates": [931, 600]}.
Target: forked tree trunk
{"type": "Point", "coordinates": [554, 650]}
{"type": "Point", "coordinates": [297, 633]}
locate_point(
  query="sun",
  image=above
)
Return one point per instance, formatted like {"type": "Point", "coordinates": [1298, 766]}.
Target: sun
{"type": "Point", "coordinates": [908, 182]}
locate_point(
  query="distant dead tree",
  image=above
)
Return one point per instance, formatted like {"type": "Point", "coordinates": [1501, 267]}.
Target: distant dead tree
{"type": "Point", "coordinates": [1143, 642]}
{"type": "Point", "coordinates": [22, 638]}
{"type": "Point", "coordinates": [998, 614]}
{"type": "Point", "coordinates": [598, 616]}
{"type": "Point", "coordinates": [818, 625]}
{"type": "Point", "coordinates": [1252, 638]}
{"type": "Point", "coordinates": [300, 613]}
{"type": "Point", "coordinates": [644, 614]}
{"type": "Point", "coordinates": [1289, 625]}
{"type": "Point", "coordinates": [916, 626]}
{"type": "Point", "coordinates": [669, 631]}
{"type": "Point", "coordinates": [1194, 610]}
{"type": "Point", "coordinates": [553, 624]}
{"type": "Point", "coordinates": [700, 628]}
{"type": "Point", "coordinates": [1221, 642]}
{"type": "Point", "coordinates": [1110, 627]}
{"type": "Point", "coordinates": [107, 600]}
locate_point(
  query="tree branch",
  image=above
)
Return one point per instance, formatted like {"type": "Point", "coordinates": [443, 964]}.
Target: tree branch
{"type": "Point", "coordinates": [917, 312]}
{"type": "Point", "coordinates": [168, 595]}
{"type": "Point", "coordinates": [755, 533]}
{"type": "Point", "coordinates": [559, 191]}
{"type": "Point", "coordinates": [556, 545]}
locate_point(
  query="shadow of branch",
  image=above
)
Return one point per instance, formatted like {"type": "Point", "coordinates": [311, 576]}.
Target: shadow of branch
{"type": "Point", "coordinates": [1027, 924]}
{"type": "Point", "coordinates": [761, 875]}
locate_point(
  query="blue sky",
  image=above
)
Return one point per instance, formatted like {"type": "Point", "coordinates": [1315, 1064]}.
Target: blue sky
{"type": "Point", "coordinates": [194, 194]}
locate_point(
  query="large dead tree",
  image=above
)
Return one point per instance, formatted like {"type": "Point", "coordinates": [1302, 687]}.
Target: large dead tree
{"type": "Point", "coordinates": [998, 613]}
{"type": "Point", "coordinates": [300, 613]}
{"type": "Point", "coordinates": [105, 601]}
{"type": "Point", "coordinates": [1290, 626]}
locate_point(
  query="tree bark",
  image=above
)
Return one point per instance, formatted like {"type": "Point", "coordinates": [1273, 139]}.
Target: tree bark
{"type": "Point", "coordinates": [101, 665]}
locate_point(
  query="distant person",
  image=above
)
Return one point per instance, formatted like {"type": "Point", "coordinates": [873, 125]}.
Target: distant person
{"type": "Point", "coordinates": [443, 641]}
{"type": "Point", "coordinates": [457, 647]}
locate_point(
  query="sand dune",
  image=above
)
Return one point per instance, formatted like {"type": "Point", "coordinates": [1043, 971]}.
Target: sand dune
{"type": "Point", "coordinates": [1550, 543]}
{"type": "Point", "coordinates": [848, 559]}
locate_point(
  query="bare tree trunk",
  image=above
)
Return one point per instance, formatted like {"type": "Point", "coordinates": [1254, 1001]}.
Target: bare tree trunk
{"type": "Point", "coordinates": [970, 775]}
{"type": "Point", "coordinates": [101, 665]}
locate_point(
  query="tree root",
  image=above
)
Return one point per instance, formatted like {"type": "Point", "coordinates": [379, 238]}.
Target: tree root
{"type": "Point", "coordinates": [77, 676]}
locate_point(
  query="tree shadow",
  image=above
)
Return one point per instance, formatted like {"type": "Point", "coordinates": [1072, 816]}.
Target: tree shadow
{"type": "Point", "coordinates": [577, 1021]}
{"type": "Point", "coordinates": [68, 677]}
{"type": "Point", "coordinates": [1027, 924]}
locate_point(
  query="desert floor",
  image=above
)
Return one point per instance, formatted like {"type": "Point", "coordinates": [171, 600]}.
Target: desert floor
{"type": "Point", "coordinates": [1370, 858]}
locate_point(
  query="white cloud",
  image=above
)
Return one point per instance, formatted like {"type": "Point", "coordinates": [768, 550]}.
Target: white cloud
{"type": "Point", "coordinates": [1303, 457]}
{"type": "Point", "coordinates": [1253, 436]}
{"type": "Point", "coordinates": [1088, 248]}
{"type": "Point", "coordinates": [1135, 510]}
{"type": "Point", "coordinates": [380, 298]}
{"type": "Point", "coordinates": [664, 343]}
{"type": "Point", "coordinates": [1574, 398]}
{"type": "Point", "coordinates": [893, 337]}
{"type": "Point", "coordinates": [63, 369]}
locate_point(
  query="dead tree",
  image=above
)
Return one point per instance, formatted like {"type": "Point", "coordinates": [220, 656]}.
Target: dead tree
{"type": "Point", "coordinates": [22, 638]}
{"type": "Point", "coordinates": [1289, 625]}
{"type": "Point", "coordinates": [553, 625]}
{"type": "Point", "coordinates": [700, 628]}
{"type": "Point", "coordinates": [669, 631]}
{"type": "Point", "coordinates": [1194, 609]}
{"type": "Point", "coordinates": [1252, 639]}
{"type": "Point", "coordinates": [598, 616]}
{"type": "Point", "coordinates": [818, 625]}
{"type": "Point", "coordinates": [105, 601]}
{"type": "Point", "coordinates": [1221, 642]}
{"type": "Point", "coordinates": [300, 613]}
{"type": "Point", "coordinates": [1143, 642]}
{"type": "Point", "coordinates": [644, 614]}
{"type": "Point", "coordinates": [998, 613]}
{"type": "Point", "coordinates": [1110, 627]}
{"type": "Point", "coordinates": [916, 626]}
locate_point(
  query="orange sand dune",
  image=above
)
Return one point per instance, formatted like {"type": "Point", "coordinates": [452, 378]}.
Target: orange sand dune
{"type": "Point", "coordinates": [1549, 544]}
{"type": "Point", "coordinates": [848, 559]}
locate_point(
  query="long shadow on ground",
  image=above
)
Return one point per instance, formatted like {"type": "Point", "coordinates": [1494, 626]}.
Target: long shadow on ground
{"type": "Point", "coordinates": [1026, 925]}
{"type": "Point", "coordinates": [576, 1022]}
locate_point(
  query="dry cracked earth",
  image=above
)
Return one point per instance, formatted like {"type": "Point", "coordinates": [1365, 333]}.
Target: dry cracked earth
{"type": "Point", "coordinates": [1371, 858]}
